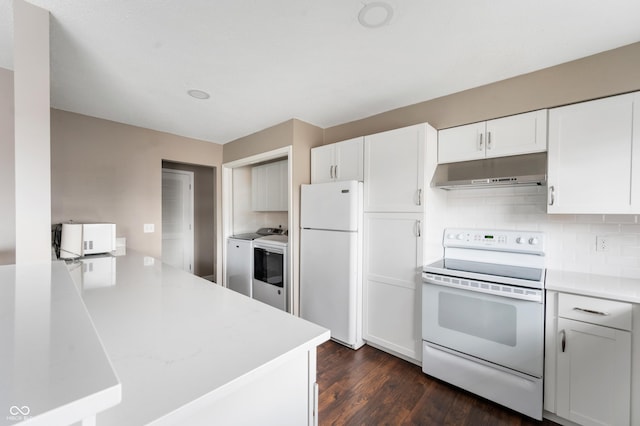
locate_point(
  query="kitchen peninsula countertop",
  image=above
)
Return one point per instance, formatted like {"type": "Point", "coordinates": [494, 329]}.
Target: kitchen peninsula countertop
{"type": "Point", "coordinates": [602, 286]}
{"type": "Point", "coordinates": [176, 340]}
{"type": "Point", "coordinates": [53, 367]}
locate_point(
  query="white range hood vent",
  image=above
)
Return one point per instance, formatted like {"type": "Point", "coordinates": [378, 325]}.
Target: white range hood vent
{"type": "Point", "coordinates": [517, 170]}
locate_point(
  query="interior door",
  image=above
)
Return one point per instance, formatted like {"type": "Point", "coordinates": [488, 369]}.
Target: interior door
{"type": "Point", "coordinates": [177, 219]}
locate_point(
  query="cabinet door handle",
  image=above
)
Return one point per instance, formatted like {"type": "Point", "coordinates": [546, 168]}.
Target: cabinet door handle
{"type": "Point", "coordinates": [552, 197]}
{"type": "Point", "coordinates": [418, 229]}
{"type": "Point", "coordinates": [488, 140]}
{"type": "Point", "coordinates": [420, 196]}
{"type": "Point", "coordinates": [480, 142]}
{"type": "Point", "coordinates": [563, 340]}
{"type": "Point", "coordinates": [591, 311]}
{"type": "Point", "coordinates": [331, 172]}
{"type": "Point", "coordinates": [335, 171]}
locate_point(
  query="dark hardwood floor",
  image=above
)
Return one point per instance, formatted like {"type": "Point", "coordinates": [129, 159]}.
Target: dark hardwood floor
{"type": "Point", "coordinates": [371, 387]}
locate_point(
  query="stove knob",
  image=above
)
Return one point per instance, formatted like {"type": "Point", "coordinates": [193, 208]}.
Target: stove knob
{"type": "Point", "coordinates": [451, 236]}
{"type": "Point", "coordinates": [461, 236]}
{"type": "Point", "coordinates": [533, 241]}
{"type": "Point", "coordinates": [520, 240]}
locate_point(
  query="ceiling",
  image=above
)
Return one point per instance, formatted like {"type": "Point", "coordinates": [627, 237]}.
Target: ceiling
{"type": "Point", "coordinates": [264, 62]}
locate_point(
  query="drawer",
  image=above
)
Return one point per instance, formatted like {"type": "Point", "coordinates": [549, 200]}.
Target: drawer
{"type": "Point", "coordinates": [595, 311]}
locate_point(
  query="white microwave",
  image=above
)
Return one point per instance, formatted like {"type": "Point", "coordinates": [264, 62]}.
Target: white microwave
{"type": "Point", "coordinates": [81, 239]}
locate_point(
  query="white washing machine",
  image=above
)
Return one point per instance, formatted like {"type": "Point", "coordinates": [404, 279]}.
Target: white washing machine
{"type": "Point", "coordinates": [270, 266]}
{"type": "Point", "coordinates": [240, 259]}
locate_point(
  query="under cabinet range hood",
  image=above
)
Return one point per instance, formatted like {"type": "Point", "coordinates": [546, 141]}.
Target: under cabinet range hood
{"type": "Point", "coordinates": [517, 170]}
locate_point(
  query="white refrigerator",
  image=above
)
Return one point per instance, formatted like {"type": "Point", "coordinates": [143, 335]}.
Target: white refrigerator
{"type": "Point", "coordinates": [331, 259]}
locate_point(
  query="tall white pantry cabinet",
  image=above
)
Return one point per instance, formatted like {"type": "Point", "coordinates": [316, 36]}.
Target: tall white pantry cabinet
{"type": "Point", "coordinates": [394, 184]}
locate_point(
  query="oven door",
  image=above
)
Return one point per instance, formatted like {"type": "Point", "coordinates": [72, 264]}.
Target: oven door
{"type": "Point", "coordinates": [501, 330]}
{"type": "Point", "coordinates": [268, 266]}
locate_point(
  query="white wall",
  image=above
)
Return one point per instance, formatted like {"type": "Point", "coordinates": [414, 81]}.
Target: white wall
{"type": "Point", "coordinates": [7, 179]}
{"type": "Point", "coordinates": [571, 239]}
{"type": "Point", "coordinates": [32, 133]}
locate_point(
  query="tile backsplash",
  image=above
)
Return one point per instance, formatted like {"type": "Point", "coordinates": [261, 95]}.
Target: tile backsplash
{"type": "Point", "coordinates": [571, 239]}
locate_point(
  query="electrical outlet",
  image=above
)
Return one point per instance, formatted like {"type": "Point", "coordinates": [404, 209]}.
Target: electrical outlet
{"type": "Point", "coordinates": [149, 228]}
{"type": "Point", "coordinates": [602, 244]}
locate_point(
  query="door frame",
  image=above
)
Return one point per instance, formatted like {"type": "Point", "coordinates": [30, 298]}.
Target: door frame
{"type": "Point", "coordinates": [227, 207]}
{"type": "Point", "coordinates": [190, 244]}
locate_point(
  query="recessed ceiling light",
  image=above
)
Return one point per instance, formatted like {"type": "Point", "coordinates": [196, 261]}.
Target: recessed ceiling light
{"type": "Point", "coordinates": [198, 94]}
{"type": "Point", "coordinates": [375, 14]}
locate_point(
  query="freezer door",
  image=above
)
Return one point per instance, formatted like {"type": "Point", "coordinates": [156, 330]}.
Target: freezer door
{"type": "Point", "coordinates": [332, 205]}
{"type": "Point", "coordinates": [329, 282]}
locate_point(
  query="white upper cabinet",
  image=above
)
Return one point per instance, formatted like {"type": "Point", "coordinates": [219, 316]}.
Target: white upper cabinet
{"type": "Point", "coordinates": [394, 170]}
{"type": "Point", "coordinates": [593, 157]}
{"type": "Point", "coordinates": [461, 143]}
{"type": "Point", "coordinates": [337, 162]}
{"type": "Point", "coordinates": [269, 187]}
{"type": "Point", "coordinates": [514, 135]}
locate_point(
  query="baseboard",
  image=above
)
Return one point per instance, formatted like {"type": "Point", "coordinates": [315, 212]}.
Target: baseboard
{"type": "Point", "coordinates": [557, 419]}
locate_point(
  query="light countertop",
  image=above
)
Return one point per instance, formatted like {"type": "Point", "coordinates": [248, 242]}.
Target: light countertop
{"type": "Point", "coordinates": [606, 287]}
{"type": "Point", "coordinates": [53, 367]}
{"type": "Point", "coordinates": [173, 337]}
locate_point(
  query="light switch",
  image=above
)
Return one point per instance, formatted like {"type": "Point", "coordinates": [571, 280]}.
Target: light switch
{"type": "Point", "coordinates": [149, 227]}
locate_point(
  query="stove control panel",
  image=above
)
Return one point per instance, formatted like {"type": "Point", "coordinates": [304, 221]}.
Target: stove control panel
{"type": "Point", "coordinates": [491, 239]}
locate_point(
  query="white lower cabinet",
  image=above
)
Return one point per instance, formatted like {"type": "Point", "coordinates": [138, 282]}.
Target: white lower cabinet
{"type": "Point", "coordinates": [392, 265]}
{"type": "Point", "coordinates": [593, 376]}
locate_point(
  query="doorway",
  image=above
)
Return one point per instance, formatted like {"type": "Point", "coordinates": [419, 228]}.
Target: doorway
{"type": "Point", "coordinates": [204, 253]}
{"type": "Point", "coordinates": [228, 213]}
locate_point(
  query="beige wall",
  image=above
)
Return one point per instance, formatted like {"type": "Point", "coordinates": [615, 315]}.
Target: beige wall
{"type": "Point", "coordinates": [112, 172]}
{"type": "Point", "coordinates": [608, 73]}
{"type": "Point", "coordinates": [7, 182]}
{"type": "Point", "coordinates": [266, 140]}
